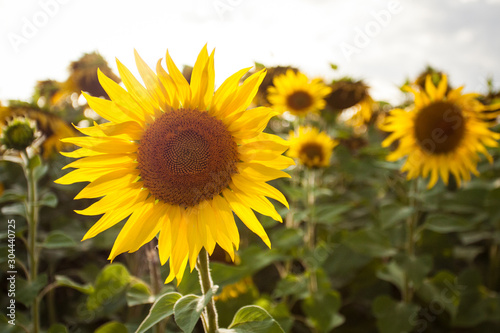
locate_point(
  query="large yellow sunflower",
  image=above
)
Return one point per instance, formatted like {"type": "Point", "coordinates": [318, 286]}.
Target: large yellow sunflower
{"type": "Point", "coordinates": [295, 93]}
{"type": "Point", "coordinates": [442, 134]}
{"type": "Point", "coordinates": [178, 159]}
{"type": "Point", "coordinates": [311, 147]}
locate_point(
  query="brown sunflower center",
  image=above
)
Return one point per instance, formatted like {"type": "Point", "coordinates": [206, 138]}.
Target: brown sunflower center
{"type": "Point", "coordinates": [299, 100]}
{"type": "Point", "coordinates": [186, 156]}
{"type": "Point", "coordinates": [439, 127]}
{"type": "Point", "coordinates": [346, 94]}
{"type": "Point", "coordinates": [312, 151]}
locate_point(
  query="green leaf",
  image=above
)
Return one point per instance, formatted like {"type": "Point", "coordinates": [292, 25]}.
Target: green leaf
{"type": "Point", "coordinates": [110, 282]}
{"type": "Point", "coordinates": [371, 242]}
{"type": "Point", "coordinates": [416, 268]}
{"type": "Point", "coordinates": [322, 310]}
{"type": "Point", "coordinates": [393, 214]}
{"type": "Point", "coordinates": [188, 309]}
{"type": "Point", "coordinates": [112, 327]}
{"type": "Point", "coordinates": [161, 309]}
{"type": "Point", "coordinates": [139, 293]}
{"type": "Point", "coordinates": [443, 291]}
{"type": "Point", "coordinates": [64, 281]}
{"type": "Point", "coordinates": [49, 199]}
{"type": "Point", "coordinates": [251, 319]}
{"type": "Point", "coordinates": [12, 195]}
{"type": "Point", "coordinates": [34, 162]}
{"type": "Point", "coordinates": [14, 209]}
{"type": "Point", "coordinates": [392, 316]}
{"type": "Point", "coordinates": [331, 214]}
{"type": "Point", "coordinates": [287, 238]}
{"type": "Point", "coordinates": [27, 291]}
{"type": "Point", "coordinates": [442, 223]}
{"type": "Point", "coordinates": [392, 272]}
{"type": "Point", "coordinates": [40, 171]}
{"type": "Point", "coordinates": [58, 239]}
{"type": "Point", "coordinates": [58, 328]}
{"type": "Point", "coordinates": [292, 284]}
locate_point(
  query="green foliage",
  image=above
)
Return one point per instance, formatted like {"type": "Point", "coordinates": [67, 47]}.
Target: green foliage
{"type": "Point", "coordinates": [161, 309]}
{"type": "Point", "coordinates": [252, 318]}
{"type": "Point", "coordinates": [187, 309]}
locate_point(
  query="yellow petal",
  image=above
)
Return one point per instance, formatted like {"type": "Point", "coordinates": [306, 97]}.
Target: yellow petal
{"type": "Point", "coordinates": [138, 93]}
{"type": "Point", "coordinates": [113, 200]}
{"type": "Point", "coordinates": [152, 82]}
{"type": "Point", "coordinates": [111, 182]}
{"type": "Point", "coordinates": [122, 98]}
{"type": "Point", "coordinates": [180, 82]}
{"type": "Point", "coordinates": [107, 109]}
{"type": "Point", "coordinates": [246, 216]}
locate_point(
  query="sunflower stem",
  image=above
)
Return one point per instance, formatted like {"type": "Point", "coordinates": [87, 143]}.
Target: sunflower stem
{"type": "Point", "coordinates": [32, 219]}
{"type": "Point", "coordinates": [206, 284]}
{"type": "Point", "coordinates": [410, 238]}
{"type": "Point", "coordinates": [311, 225]}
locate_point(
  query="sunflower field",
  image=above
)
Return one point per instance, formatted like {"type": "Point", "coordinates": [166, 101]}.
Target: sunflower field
{"type": "Point", "coordinates": [273, 202]}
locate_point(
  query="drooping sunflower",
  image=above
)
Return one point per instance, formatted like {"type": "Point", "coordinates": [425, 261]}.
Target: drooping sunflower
{"type": "Point", "coordinates": [295, 93]}
{"type": "Point", "coordinates": [442, 134]}
{"type": "Point", "coordinates": [353, 99]}
{"type": "Point", "coordinates": [178, 159]}
{"type": "Point", "coordinates": [83, 75]}
{"type": "Point", "coordinates": [311, 147]}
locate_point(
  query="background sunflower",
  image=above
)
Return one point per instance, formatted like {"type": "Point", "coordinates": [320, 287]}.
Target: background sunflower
{"type": "Point", "coordinates": [441, 135]}
{"type": "Point", "coordinates": [294, 92]}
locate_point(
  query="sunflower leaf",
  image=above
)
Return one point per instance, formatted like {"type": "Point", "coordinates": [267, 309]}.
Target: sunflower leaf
{"type": "Point", "coordinates": [14, 209]}
{"type": "Point", "coordinates": [187, 309]}
{"type": "Point", "coordinates": [393, 316]}
{"type": "Point", "coordinates": [253, 318]}
{"type": "Point", "coordinates": [321, 309]}
{"type": "Point", "coordinates": [58, 239]}
{"type": "Point", "coordinates": [58, 328]}
{"type": "Point", "coordinates": [112, 327]}
{"type": "Point", "coordinates": [162, 308]}
{"type": "Point", "coordinates": [49, 199]}
{"type": "Point", "coordinates": [64, 281]}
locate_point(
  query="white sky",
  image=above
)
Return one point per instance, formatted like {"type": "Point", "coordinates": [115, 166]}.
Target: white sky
{"type": "Point", "coordinates": [39, 38]}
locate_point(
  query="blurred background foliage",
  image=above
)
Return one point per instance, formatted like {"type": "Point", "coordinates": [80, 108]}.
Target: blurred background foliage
{"type": "Point", "coordinates": [366, 279]}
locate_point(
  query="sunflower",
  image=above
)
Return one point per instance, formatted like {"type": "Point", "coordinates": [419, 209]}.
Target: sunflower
{"type": "Point", "coordinates": [436, 77]}
{"type": "Point", "coordinates": [83, 77]}
{"type": "Point", "coordinates": [442, 134]}
{"type": "Point", "coordinates": [51, 126]}
{"type": "Point", "coordinates": [19, 134]}
{"type": "Point", "coordinates": [353, 98]}
{"type": "Point", "coordinates": [262, 95]}
{"type": "Point", "coordinates": [295, 93]}
{"type": "Point", "coordinates": [311, 147]}
{"type": "Point", "coordinates": [178, 159]}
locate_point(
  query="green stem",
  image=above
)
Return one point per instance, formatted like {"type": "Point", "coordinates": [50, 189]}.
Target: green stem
{"type": "Point", "coordinates": [154, 274]}
{"type": "Point", "coordinates": [410, 238]}
{"type": "Point", "coordinates": [32, 217]}
{"type": "Point", "coordinates": [206, 284]}
{"type": "Point", "coordinates": [311, 225]}
{"type": "Point", "coordinates": [494, 266]}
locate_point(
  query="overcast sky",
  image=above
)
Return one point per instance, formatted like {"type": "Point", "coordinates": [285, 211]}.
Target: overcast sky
{"type": "Point", "coordinates": [381, 41]}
